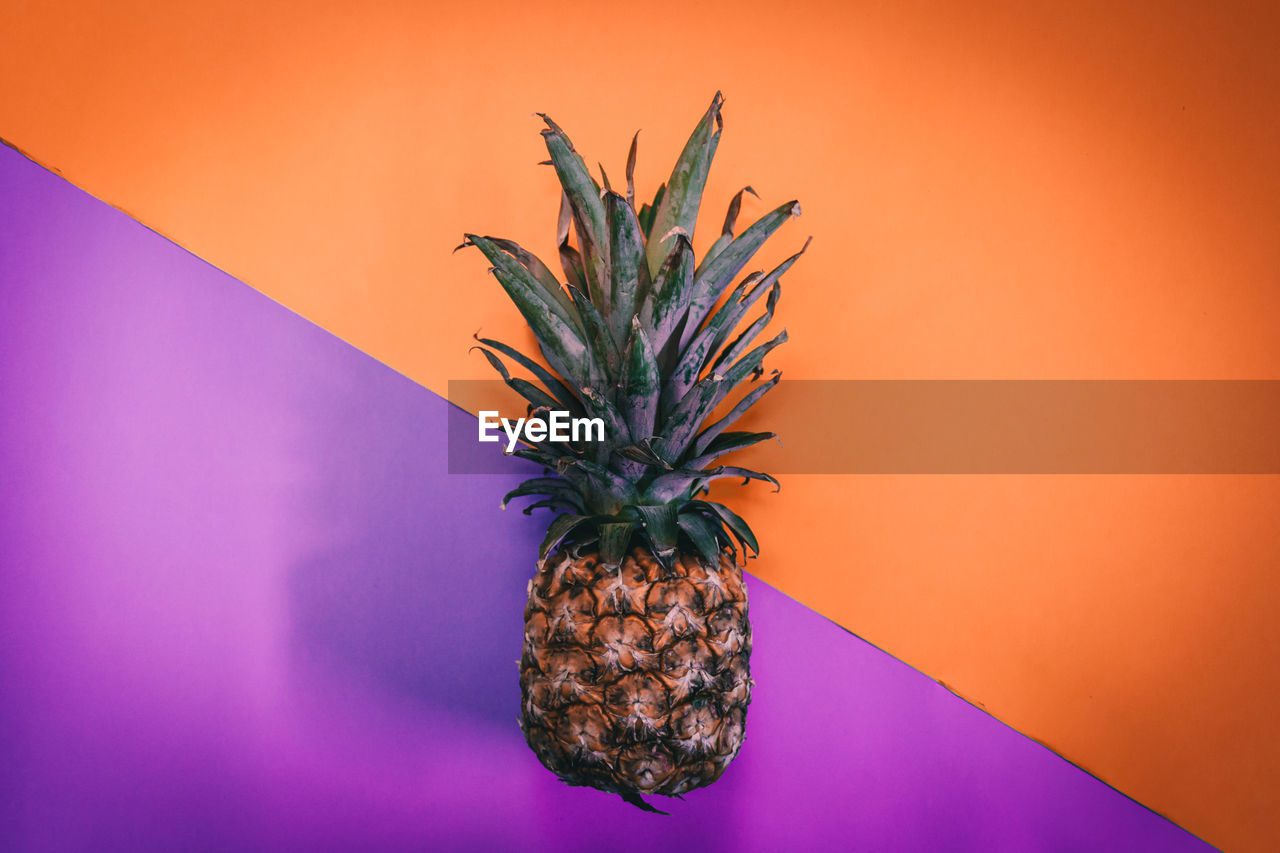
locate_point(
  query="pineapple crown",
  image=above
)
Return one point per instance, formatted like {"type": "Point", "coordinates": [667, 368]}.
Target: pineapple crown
{"type": "Point", "coordinates": [640, 337]}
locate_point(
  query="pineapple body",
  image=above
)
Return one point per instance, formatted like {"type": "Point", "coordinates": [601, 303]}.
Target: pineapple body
{"type": "Point", "coordinates": [636, 679]}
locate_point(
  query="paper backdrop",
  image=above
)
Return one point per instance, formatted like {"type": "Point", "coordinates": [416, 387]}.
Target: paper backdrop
{"type": "Point", "coordinates": [996, 190]}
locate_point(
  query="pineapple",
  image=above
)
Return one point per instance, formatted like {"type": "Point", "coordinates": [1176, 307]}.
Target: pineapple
{"type": "Point", "coordinates": [635, 675]}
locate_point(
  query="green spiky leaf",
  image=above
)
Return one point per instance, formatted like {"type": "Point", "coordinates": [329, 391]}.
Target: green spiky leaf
{"type": "Point", "coordinates": [704, 440]}
{"type": "Point", "coordinates": [661, 529]}
{"type": "Point", "coordinates": [629, 273]}
{"type": "Point", "coordinates": [671, 294]}
{"type": "Point", "coordinates": [553, 383]}
{"type": "Point", "coordinates": [536, 396]}
{"type": "Point", "coordinates": [615, 537]}
{"type": "Point", "coordinates": [641, 384]}
{"type": "Point", "coordinates": [720, 328]}
{"type": "Point", "coordinates": [734, 350]}
{"type": "Point", "coordinates": [537, 268]}
{"type": "Point", "coordinates": [703, 534]}
{"type": "Point", "coordinates": [603, 351]}
{"type": "Point", "coordinates": [726, 443]}
{"type": "Point", "coordinates": [553, 296]}
{"type": "Point", "coordinates": [560, 343]}
{"type": "Point", "coordinates": [631, 171]}
{"type": "Point", "coordinates": [555, 487]}
{"type": "Point", "coordinates": [740, 529]}
{"type": "Point", "coordinates": [570, 259]}
{"type": "Point", "coordinates": [683, 423]}
{"type": "Point", "coordinates": [716, 276]}
{"type": "Point", "coordinates": [727, 231]}
{"type": "Point", "coordinates": [679, 205]}
{"type": "Point", "coordinates": [604, 491]}
{"type": "Point", "coordinates": [559, 529]}
{"type": "Point", "coordinates": [588, 211]}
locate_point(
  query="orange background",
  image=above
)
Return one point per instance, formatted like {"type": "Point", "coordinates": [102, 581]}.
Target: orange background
{"type": "Point", "coordinates": [997, 190]}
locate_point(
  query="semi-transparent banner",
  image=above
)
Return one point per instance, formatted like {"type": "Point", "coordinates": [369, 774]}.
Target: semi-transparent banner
{"type": "Point", "coordinates": [967, 427]}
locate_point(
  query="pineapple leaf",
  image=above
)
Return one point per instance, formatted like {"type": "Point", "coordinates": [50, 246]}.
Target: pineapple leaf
{"type": "Point", "coordinates": [542, 455]}
{"type": "Point", "coordinates": [731, 520]}
{"type": "Point", "coordinates": [679, 206]}
{"type": "Point", "coordinates": [708, 436]}
{"type": "Point", "coordinates": [647, 212]}
{"type": "Point", "coordinates": [615, 536]}
{"type": "Point", "coordinates": [689, 414]}
{"type": "Point", "coordinates": [734, 350]}
{"type": "Point", "coordinates": [642, 451]}
{"type": "Point", "coordinates": [628, 270]}
{"type": "Point", "coordinates": [673, 486]}
{"type": "Point", "coordinates": [696, 355]}
{"type": "Point", "coordinates": [554, 487]}
{"type": "Point", "coordinates": [588, 211]}
{"type": "Point", "coordinates": [715, 276]}
{"type": "Point", "coordinates": [549, 292]}
{"type": "Point", "coordinates": [603, 351]}
{"type": "Point", "coordinates": [671, 292]}
{"type": "Point", "coordinates": [641, 384]}
{"type": "Point", "coordinates": [559, 529]}
{"type": "Point", "coordinates": [728, 471]}
{"type": "Point", "coordinates": [727, 443]}
{"type": "Point", "coordinates": [602, 407]}
{"type": "Point", "coordinates": [686, 482]}
{"type": "Point", "coordinates": [731, 216]}
{"type": "Point", "coordinates": [550, 503]}
{"type": "Point", "coordinates": [702, 399]}
{"type": "Point", "coordinates": [631, 171]}
{"type": "Point", "coordinates": [702, 533]}
{"type": "Point", "coordinates": [661, 529]}
{"type": "Point", "coordinates": [549, 379]}
{"type": "Point", "coordinates": [645, 217]}
{"type": "Point", "coordinates": [570, 260]}
{"type": "Point", "coordinates": [604, 491]}
{"type": "Point", "coordinates": [535, 395]}
{"type": "Point", "coordinates": [537, 268]}
{"type": "Point", "coordinates": [724, 326]}
{"type": "Point", "coordinates": [559, 341]}
{"type": "Point", "coordinates": [726, 232]}
{"type": "Point", "coordinates": [750, 363]}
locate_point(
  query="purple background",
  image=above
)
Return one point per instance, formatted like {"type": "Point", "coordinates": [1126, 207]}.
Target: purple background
{"type": "Point", "coordinates": [243, 605]}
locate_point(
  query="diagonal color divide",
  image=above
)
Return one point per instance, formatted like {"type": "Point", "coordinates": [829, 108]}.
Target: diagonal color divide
{"type": "Point", "coordinates": [246, 607]}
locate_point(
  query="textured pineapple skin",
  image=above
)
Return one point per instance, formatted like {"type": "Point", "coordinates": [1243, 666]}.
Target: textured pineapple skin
{"type": "Point", "coordinates": [636, 681]}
